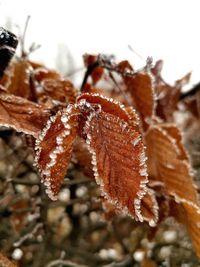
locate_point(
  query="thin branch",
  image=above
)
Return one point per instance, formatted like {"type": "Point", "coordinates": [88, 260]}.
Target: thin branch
{"type": "Point", "coordinates": [28, 236]}
{"type": "Point", "coordinates": [64, 263]}
{"type": "Point", "coordinates": [22, 39]}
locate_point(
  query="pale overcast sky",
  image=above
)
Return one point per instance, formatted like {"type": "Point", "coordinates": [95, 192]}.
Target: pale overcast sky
{"type": "Point", "coordinates": [167, 30]}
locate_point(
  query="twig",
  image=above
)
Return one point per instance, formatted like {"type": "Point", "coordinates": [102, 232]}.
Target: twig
{"type": "Point", "coordinates": [28, 236]}
{"type": "Point", "coordinates": [62, 263]}
{"type": "Point", "coordinates": [128, 261]}
{"type": "Point", "coordinates": [107, 63]}
{"type": "Point", "coordinates": [22, 39]}
{"type": "Point", "coordinates": [66, 182]}
{"type": "Point", "coordinates": [191, 92]}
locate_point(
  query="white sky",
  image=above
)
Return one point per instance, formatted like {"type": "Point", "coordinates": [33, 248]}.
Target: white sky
{"type": "Point", "coordinates": [167, 30]}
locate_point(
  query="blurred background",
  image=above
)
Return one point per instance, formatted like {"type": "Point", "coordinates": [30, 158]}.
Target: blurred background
{"type": "Point", "coordinates": [165, 30]}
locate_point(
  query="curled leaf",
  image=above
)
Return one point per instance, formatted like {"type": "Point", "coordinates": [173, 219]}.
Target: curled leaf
{"type": "Point", "coordinates": [54, 147]}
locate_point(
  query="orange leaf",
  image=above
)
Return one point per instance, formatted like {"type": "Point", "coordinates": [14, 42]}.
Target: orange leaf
{"type": "Point", "coordinates": [168, 162]}
{"type": "Point", "coordinates": [97, 73]}
{"type": "Point", "coordinates": [5, 262]}
{"type": "Point", "coordinates": [54, 147]}
{"type": "Point", "coordinates": [41, 73]}
{"type": "Point", "coordinates": [17, 79]}
{"type": "Point", "coordinates": [60, 90]}
{"type": "Point", "coordinates": [141, 89]}
{"type": "Point", "coordinates": [21, 114]}
{"type": "Point", "coordinates": [118, 155]}
{"type": "Point", "coordinates": [189, 216]}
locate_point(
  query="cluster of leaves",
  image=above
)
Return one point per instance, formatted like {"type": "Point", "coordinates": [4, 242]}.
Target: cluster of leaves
{"type": "Point", "coordinates": [120, 130]}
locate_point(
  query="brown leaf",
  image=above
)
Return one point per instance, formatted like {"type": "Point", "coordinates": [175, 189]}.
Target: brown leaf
{"type": "Point", "coordinates": [184, 80]}
{"type": "Point", "coordinates": [21, 114]}
{"type": "Point", "coordinates": [167, 100]}
{"type": "Point", "coordinates": [83, 157]}
{"type": "Point", "coordinates": [5, 262]}
{"type": "Point", "coordinates": [149, 207]}
{"type": "Point", "coordinates": [97, 73]}
{"type": "Point", "coordinates": [168, 162]}
{"type": "Point", "coordinates": [148, 263]}
{"type": "Point", "coordinates": [168, 96]}
{"type": "Point", "coordinates": [189, 216]}
{"type": "Point", "coordinates": [17, 79]}
{"type": "Point", "coordinates": [42, 73]}
{"type": "Point", "coordinates": [60, 90]}
{"type": "Point", "coordinates": [118, 155]}
{"type": "Point", "coordinates": [141, 89]}
{"type": "Point", "coordinates": [19, 217]}
{"type": "Point", "coordinates": [54, 147]}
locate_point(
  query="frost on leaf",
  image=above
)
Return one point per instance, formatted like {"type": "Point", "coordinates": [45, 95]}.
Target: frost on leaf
{"type": "Point", "coordinates": [21, 114]}
{"type": "Point", "coordinates": [140, 86]}
{"type": "Point", "coordinates": [168, 163]}
{"type": "Point", "coordinates": [118, 156]}
{"type": "Point", "coordinates": [17, 79]}
{"type": "Point", "coordinates": [60, 90]}
{"type": "Point", "coordinates": [149, 208]}
{"type": "Point", "coordinates": [54, 147]}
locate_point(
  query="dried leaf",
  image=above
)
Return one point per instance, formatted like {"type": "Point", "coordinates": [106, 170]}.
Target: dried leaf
{"type": "Point", "coordinates": [19, 217]}
{"type": "Point", "coordinates": [168, 96]}
{"type": "Point", "coordinates": [189, 216]}
{"type": "Point", "coordinates": [97, 73]}
{"type": "Point", "coordinates": [41, 73]}
{"type": "Point", "coordinates": [21, 114]}
{"type": "Point", "coordinates": [167, 100]}
{"type": "Point", "coordinates": [5, 262]}
{"type": "Point", "coordinates": [60, 90]}
{"type": "Point", "coordinates": [117, 150]}
{"type": "Point", "coordinates": [83, 157]}
{"type": "Point", "coordinates": [168, 162]}
{"type": "Point", "coordinates": [141, 89]}
{"type": "Point", "coordinates": [149, 208]}
{"type": "Point", "coordinates": [184, 80]}
{"type": "Point", "coordinates": [54, 147]}
{"type": "Point", "coordinates": [17, 79]}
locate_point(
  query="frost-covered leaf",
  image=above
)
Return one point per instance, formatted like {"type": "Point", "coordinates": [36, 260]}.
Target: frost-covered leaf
{"type": "Point", "coordinates": [54, 147]}
{"type": "Point", "coordinates": [140, 86]}
{"type": "Point", "coordinates": [168, 162]}
{"type": "Point", "coordinates": [60, 90]}
{"type": "Point", "coordinates": [17, 79]}
{"type": "Point", "coordinates": [118, 155]}
{"type": "Point", "coordinates": [149, 207]}
{"type": "Point", "coordinates": [21, 114]}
